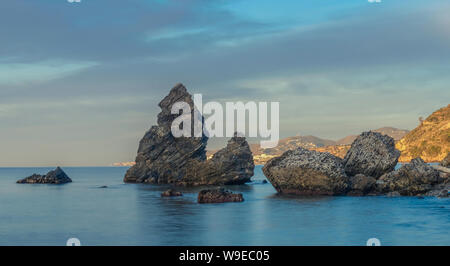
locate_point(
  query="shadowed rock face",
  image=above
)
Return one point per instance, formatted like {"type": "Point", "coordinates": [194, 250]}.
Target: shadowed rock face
{"type": "Point", "coordinates": [56, 176]}
{"type": "Point", "coordinates": [415, 178]}
{"type": "Point", "coordinates": [218, 196]}
{"type": "Point", "coordinates": [371, 154]}
{"type": "Point", "coordinates": [304, 172]}
{"type": "Point", "coordinates": [161, 157]}
{"type": "Point", "coordinates": [361, 185]}
{"type": "Point", "coordinates": [164, 159]}
{"type": "Point", "coordinates": [446, 161]}
{"type": "Point", "coordinates": [232, 165]}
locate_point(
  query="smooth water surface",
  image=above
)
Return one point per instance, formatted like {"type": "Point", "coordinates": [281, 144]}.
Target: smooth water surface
{"type": "Point", "coordinates": [135, 214]}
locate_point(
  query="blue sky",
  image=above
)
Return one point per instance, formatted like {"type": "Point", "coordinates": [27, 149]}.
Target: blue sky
{"type": "Point", "coordinates": [80, 82]}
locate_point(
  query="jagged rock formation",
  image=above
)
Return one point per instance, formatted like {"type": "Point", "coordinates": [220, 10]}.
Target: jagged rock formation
{"type": "Point", "coordinates": [446, 161]}
{"type": "Point", "coordinates": [415, 178]}
{"type": "Point", "coordinates": [165, 159]}
{"type": "Point", "coordinates": [232, 165]}
{"type": "Point", "coordinates": [162, 158]}
{"type": "Point", "coordinates": [56, 176]}
{"type": "Point", "coordinates": [371, 154]}
{"type": "Point", "coordinates": [305, 172]}
{"type": "Point", "coordinates": [218, 196]}
{"type": "Point", "coordinates": [430, 140]}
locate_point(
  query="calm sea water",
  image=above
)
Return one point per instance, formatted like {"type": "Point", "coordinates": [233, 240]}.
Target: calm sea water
{"type": "Point", "coordinates": [134, 214]}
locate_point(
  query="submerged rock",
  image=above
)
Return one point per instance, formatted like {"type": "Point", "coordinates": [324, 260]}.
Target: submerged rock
{"type": "Point", "coordinates": [361, 185]}
{"type": "Point", "coordinates": [56, 176]}
{"type": "Point", "coordinates": [218, 196]}
{"type": "Point", "coordinates": [165, 159]}
{"type": "Point", "coordinates": [171, 193]}
{"type": "Point", "coordinates": [411, 179]}
{"type": "Point", "coordinates": [305, 172]}
{"type": "Point", "coordinates": [371, 154]}
{"type": "Point", "coordinates": [446, 161]}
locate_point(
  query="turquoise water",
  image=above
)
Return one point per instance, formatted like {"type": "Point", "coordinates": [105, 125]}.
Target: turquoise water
{"type": "Point", "coordinates": [135, 214]}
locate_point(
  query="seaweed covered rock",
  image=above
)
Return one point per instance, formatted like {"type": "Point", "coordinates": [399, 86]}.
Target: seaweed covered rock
{"type": "Point", "coordinates": [305, 172]}
{"type": "Point", "coordinates": [218, 196]}
{"type": "Point", "coordinates": [371, 154]}
{"type": "Point", "coordinates": [56, 176]}
{"type": "Point", "coordinates": [415, 178]}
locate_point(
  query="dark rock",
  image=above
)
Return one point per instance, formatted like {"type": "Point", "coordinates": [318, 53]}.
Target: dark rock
{"type": "Point", "coordinates": [164, 159]}
{"type": "Point", "coordinates": [446, 161]}
{"type": "Point", "coordinates": [361, 185]}
{"type": "Point", "coordinates": [443, 194]}
{"type": "Point", "coordinates": [371, 154]}
{"type": "Point", "coordinates": [393, 194]}
{"type": "Point", "coordinates": [304, 172]}
{"type": "Point", "coordinates": [265, 181]}
{"type": "Point", "coordinates": [421, 197]}
{"type": "Point", "coordinates": [103, 187]}
{"type": "Point", "coordinates": [411, 179]}
{"type": "Point", "coordinates": [218, 196]}
{"type": "Point", "coordinates": [56, 176]}
{"type": "Point", "coordinates": [232, 165]}
{"type": "Point", "coordinates": [171, 193]}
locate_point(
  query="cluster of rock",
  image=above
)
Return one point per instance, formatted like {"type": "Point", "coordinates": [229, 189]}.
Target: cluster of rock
{"type": "Point", "coordinates": [56, 176]}
{"type": "Point", "coordinates": [218, 196]}
{"type": "Point", "coordinates": [367, 169]}
{"type": "Point", "coordinates": [165, 159]}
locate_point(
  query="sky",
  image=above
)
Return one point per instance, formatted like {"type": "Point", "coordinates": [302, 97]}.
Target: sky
{"type": "Point", "coordinates": [80, 82]}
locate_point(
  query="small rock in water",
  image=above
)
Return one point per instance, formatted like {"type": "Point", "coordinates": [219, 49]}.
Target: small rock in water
{"type": "Point", "coordinates": [218, 196]}
{"type": "Point", "coordinates": [103, 187]}
{"type": "Point", "coordinates": [171, 193]}
{"type": "Point", "coordinates": [56, 176]}
{"type": "Point", "coordinates": [421, 197]}
{"type": "Point", "coordinates": [265, 181]}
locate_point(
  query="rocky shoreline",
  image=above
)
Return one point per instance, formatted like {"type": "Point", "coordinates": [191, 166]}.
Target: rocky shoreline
{"type": "Point", "coordinates": [367, 169]}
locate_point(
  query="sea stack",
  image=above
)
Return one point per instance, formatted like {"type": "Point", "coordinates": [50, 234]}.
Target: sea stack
{"type": "Point", "coordinates": [165, 159]}
{"type": "Point", "coordinates": [56, 176]}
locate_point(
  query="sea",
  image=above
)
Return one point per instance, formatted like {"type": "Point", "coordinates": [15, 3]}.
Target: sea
{"type": "Point", "coordinates": [136, 214]}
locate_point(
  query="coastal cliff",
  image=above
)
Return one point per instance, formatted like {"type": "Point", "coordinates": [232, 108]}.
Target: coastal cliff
{"type": "Point", "coordinates": [430, 140]}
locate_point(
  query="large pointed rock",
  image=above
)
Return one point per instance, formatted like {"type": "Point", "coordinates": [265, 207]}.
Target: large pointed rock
{"type": "Point", "coordinates": [305, 172]}
{"type": "Point", "coordinates": [56, 176]}
{"type": "Point", "coordinates": [371, 154]}
{"type": "Point", "coordinates": [163, 158]}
